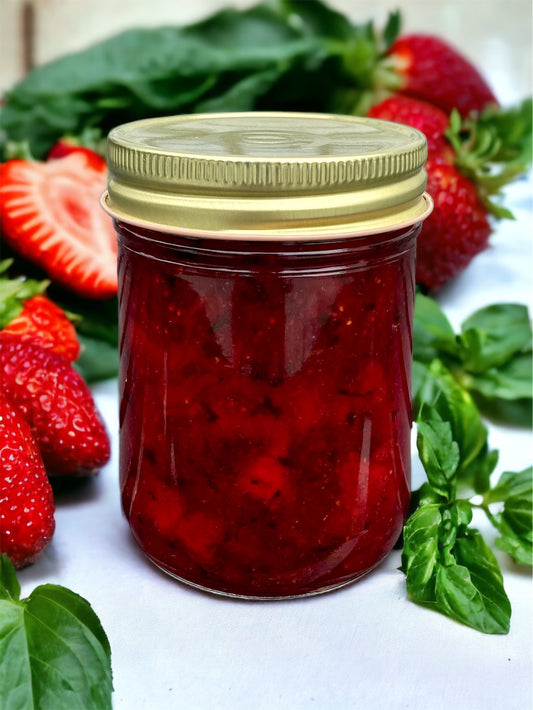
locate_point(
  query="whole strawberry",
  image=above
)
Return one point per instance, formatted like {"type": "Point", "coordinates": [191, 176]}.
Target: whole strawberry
{"type": "Point", "coordinates": [41, 320]}
{"type": "Point", "coordinates": [25, 310]}
{"type": "Point", "coordinates": [57, 404]}
{"type": "Point", "coordinates": [432, 121]}
{"type": "Point", "coordinates": [455, 232]}
{"type": "Point", "coordinates": [429, 68]}
{"type": "Point", "coordinates": [468, 162]}
{"type": "Point", "coordinates": [26, 498]}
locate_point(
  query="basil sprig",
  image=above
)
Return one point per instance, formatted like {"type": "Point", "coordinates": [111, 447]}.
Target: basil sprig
{"type": "Point", "coordinates": [54, 654]}
{"type": "Point", "coordinates": [448, 565]}
{"type": "Point", "coordinates": [491, 357]}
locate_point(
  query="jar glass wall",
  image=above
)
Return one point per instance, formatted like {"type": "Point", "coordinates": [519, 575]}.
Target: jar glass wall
{"type": "Point", "coordinates": [265, 405]}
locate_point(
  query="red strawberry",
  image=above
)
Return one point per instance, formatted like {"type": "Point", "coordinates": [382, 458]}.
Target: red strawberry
{"type": "Point", "coordinates": [26, 499]}
{"type": "Point", "coordinates": [429, 119]}
{"type": "Point", "coordinates": [50, 214]}
{"type": "Point", "coordinates": [456, 231]}
{"type": "Point", "coordinates": [431, 69]}
{"type": "Point", "coordinates": [46, 323]}
{"type": "Point", "coordinates": [468, 161]}
{"type": "Point", "coordinates": [57, 404]}
{"type": "Point", "coordinates": [66, 146]}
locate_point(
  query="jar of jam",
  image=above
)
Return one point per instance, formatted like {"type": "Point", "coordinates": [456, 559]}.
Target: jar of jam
{"type": "Point", "coordinates": [266, 290]}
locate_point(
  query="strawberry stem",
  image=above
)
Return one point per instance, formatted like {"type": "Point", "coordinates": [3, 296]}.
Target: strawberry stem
{"type": "Point", "coordinates": [492, 149]}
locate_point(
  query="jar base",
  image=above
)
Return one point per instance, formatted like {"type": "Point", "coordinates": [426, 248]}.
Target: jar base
{"type": "Point", "coordinates": [260, 597]}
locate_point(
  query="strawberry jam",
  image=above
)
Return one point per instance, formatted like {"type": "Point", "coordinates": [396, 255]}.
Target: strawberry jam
{"type": "Point", "coordinates": [265, 406]}
{"type": "Point", "coordinates": [266, 291]}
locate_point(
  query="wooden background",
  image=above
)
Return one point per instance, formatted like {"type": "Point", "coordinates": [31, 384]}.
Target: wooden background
{"type": "Point", "coordinates": [496, 34]}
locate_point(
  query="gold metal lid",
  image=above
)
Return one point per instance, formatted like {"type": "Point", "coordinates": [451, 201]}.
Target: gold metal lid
{"type": "Point", "coordinates": [267, 175]}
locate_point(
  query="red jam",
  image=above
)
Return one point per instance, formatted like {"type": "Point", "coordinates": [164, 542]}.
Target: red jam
{"type": "Point", "coordinates": [265, 406]}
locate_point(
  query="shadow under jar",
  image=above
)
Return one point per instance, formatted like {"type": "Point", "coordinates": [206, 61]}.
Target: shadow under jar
{"type": "Point", "coordinates": [266, 291]}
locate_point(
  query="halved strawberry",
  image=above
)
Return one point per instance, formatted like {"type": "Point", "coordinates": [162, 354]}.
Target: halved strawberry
{"type": "Point", "coordinates": [50, 214]}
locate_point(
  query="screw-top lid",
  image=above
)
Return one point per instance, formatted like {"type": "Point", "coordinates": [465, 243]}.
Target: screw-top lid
{"type": "Point", "coordinates": [267, 175]}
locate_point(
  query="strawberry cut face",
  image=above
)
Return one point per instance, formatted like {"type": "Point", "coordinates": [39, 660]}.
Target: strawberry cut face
{"type": "Point", "coordinates": [50, 214]}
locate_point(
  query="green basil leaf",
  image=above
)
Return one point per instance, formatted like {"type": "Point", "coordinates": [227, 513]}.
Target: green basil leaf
{"type": "Point", "coordinates": [98, 360]}
{"type": "Point", "coordinates": [438, 452]}
{"type": "Point", "coordinates": [420, 552]}
{"type": "Point", "coordinates": [432, 331]}
{"type": "Point", "coordinates": [271, 55]}
{"type": "Point", "coordinates": [515, 521]}
{"type": "Point", "coordinates": [241, 95]}
{"type": "Point", "coordinates": [54, 654]}
{"type": "Point", "coordinates": [435, 387]}
{"type": "Point", "coordinates": [315, 18]}
{"type": "Point", "coordinates": [9, 584]}
{"type": "Point", "coordinates": [520, 548]}
{"type": "Point", "coordinates": [492, 335]}
{"type": "Point", "coordinates": [512, 484]}
{"type": "Point", "coordinates": [472, 591]}
{"type": "Point", "coordinates": [511, 381]}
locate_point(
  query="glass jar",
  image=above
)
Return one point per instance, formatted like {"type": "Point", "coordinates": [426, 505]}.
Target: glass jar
{"type": "Point", "coordinates": [266, 291]}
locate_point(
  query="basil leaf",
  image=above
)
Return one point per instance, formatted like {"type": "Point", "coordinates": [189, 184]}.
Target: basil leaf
{"type": "Point", "coordinates": [432, 331]}
{"type": "Point", "coordinates": [492, 335]}
{"type": "Point", "coordinates": [9, 584]}
{"type": "Point", "coordinates": [512, 484]}
{"type": "Point", "coordinates": [98, 360]}
{"type": "Point", "coordinates": [472, 590]}
{"type": "Point", "coordinates": [438, 452]}
{"type": "Point", "coordinates": [491, 358]}
{"type": "Point", "coordinates": [449, 568]}
{"type": "Point", "coordinates": [511, 381]}
{"type": "Point", "coordinates": [420, 552]}
{"type": "Point", "coordinates": [515, 521]}
{"type": "Point", "coordinates": [271, 55]}
{"type": "Point", "coordinates": [54, 653]}
{"type": "Point", "coordinates": [315, 18]}
{"type": "Point", "coordinates": [516, 545]}
{"type": "Point", "coordinates": [435, 387]}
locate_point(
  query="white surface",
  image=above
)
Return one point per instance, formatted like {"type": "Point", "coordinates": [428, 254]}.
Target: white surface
{"type": "Point", "coordinates": [365, 647]}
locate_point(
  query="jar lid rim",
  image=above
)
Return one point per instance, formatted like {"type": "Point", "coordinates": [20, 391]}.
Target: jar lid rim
{"type": "Point", "coordinates": [264, 170]}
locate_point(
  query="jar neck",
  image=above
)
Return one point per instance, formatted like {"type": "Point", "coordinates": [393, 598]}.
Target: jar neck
{"type": "Point", "coordinates": [283, 255]}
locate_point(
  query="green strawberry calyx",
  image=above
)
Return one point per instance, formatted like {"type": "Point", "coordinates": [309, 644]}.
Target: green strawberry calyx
{"type": "Point", "coordinates": [14, 292]}
{"type": "Point", "coordinates": [493, 149]}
